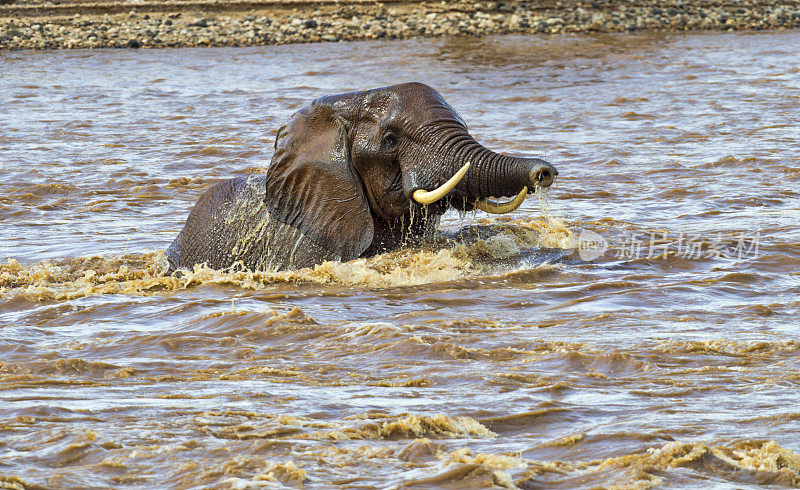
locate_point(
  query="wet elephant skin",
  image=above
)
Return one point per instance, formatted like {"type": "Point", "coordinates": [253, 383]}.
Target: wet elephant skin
{"type": "Point", "coordinates": [341, 181]}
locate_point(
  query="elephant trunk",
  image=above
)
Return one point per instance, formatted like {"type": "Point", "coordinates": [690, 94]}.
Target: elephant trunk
{"type": "Point", "coordinates": [489, 174]}
{"type": "Point", "coordinates": [495, 175]}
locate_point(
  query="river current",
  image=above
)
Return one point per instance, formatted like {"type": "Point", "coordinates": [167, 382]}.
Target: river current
{"type": "Point", "coordinates": [638, 328]}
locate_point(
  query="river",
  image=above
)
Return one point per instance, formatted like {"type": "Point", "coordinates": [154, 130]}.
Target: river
{"type": "Point", "coordinates": [667, 355]}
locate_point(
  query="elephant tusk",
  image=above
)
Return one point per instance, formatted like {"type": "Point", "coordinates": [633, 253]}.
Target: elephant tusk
{"type": "Point", "coordinates": [430, 197]}
{"type": "Point", "coordinates": [502, 208]}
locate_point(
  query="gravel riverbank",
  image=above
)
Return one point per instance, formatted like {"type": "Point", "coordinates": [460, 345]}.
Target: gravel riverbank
{"type": "Point", "coordinates": [150, 24]}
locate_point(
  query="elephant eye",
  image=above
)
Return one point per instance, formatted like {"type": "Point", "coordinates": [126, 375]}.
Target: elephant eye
{"type": "Point", "coordinates": [389, 140]}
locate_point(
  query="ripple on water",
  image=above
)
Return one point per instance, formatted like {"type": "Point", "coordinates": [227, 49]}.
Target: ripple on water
{"type": "Point", "coordinates": [491, 356]}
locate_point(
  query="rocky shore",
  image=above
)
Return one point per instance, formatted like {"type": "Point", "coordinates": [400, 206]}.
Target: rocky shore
{"type": "Point", "coordinates": [150, 24]}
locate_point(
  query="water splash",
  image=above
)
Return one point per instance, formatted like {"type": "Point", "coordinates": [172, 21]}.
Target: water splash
{"type": "Point", "coordinates": [474, 252]}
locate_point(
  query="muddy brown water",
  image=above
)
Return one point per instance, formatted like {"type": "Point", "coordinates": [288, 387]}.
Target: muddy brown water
{"type": "Point", "coordinates": [494, 357]}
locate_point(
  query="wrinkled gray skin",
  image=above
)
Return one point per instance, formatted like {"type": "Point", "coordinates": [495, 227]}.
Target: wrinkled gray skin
{"type": "Point", "coordinates": [341, 181]}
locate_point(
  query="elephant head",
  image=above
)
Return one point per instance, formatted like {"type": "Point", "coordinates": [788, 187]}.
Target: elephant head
{"type": "Point", "coordinates": [364, 171]}
{"type": "Point", "coordinates": [353, 175]}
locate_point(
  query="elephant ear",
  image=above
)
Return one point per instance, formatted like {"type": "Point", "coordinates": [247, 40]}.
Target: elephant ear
{"type": "Point", "coordinates": [313, 187]}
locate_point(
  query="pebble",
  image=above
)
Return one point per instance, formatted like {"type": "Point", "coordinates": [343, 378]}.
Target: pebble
{"type": "Point", "coordinates": [360, 22]}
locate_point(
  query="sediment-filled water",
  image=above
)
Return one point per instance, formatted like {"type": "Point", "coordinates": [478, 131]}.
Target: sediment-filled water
{"type": "Point", "coordinates": [508, 352]}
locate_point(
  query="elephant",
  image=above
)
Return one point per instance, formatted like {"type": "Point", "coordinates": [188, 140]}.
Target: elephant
{"type": "Point", "coordinates": [353, 175]}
